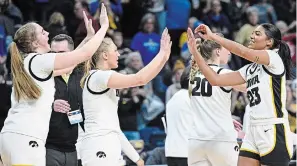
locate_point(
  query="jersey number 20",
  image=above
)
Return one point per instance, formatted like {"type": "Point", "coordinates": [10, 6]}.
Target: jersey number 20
{"type": "Point", "coordinates": [254, 96]}
{"type": "Point", "coordinates": [202, 88]}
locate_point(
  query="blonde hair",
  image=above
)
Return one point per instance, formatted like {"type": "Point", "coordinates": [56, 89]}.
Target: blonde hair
{"type": "Point", "coordinates": [57, 18]}
{"type": "Point", "coordinates": [91, 63]}
{"type": "Point", "coordinates": [206, 49]}
{"type": "Point", "coordinates": [23, 85]}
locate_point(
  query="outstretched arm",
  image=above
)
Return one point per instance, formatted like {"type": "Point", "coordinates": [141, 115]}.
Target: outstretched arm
{"type": "Point", "coordinates": [257, 56]}
{"type": "Point", "coordinates": [69, 59]}
{"type": "Point", "coordinates": [228, 79]}
{"type": "Point", "coordinates": [90, 34]}
{"type": "Point", "coordinates": [145, 75]}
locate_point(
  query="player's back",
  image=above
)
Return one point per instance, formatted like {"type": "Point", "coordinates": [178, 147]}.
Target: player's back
{"type": "Point", "coordinates": [211, 110]}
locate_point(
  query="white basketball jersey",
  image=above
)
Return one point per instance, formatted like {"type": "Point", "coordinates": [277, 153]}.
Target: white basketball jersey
{"type": "Point", "coordinates": [31, 117]}
{"type": "Point", "coordinates": [266, 88]}
{"type": "Point", "coordinates": [100, 105]}
{"type": "Point", "coordinates": [211, 107]}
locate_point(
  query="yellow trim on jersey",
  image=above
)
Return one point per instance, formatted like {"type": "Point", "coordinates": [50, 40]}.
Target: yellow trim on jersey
{"type": "Point", "coordinates": [274, 143]}
{"type": "Point", "coordinates": [272, 96]}
{"type": "Point", "coordinates": [286, 140]}
{"type": "Point", "coordinates": [248, 150]}
{"type": "Point", "coordinates": [283, 90]}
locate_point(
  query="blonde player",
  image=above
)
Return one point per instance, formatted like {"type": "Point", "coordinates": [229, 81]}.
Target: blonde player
{"type": "Point", "coordinates": [22, 139]}
{"type": "Point", "coordinates": [213, 139]}
{"type": "Point", "coordinates": [103, 139]}
{"type": "Point", "coordinates": [267, 141]}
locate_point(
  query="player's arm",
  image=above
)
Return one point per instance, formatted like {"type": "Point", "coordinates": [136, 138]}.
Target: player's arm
{"type": "Point", "coordinates": [145, 75]}
{"type": "Point", "coordinates": [69, 59]}
{"type": "Point", "coordinates": [257, 56]}
{"type": "Point", "coordinates": [90, 34]}
{"type": "Point", "coordinates": [228, 79]}
{"type": "Point", "coordinates": [128, 149]}
{"type": "Point", "coordinates": [240, 88]}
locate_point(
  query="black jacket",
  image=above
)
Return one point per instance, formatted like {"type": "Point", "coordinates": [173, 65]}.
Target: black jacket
{"type": "Point", "coordinates": [62, 135]}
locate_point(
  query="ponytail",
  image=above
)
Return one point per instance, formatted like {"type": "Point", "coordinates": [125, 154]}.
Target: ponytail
{"type": "Point", "coordinates": [194, 68]}
{"type": "Point", "coordinates": [23, 85]}
{"type": "Point", "coordinates": [193, 71]}
{"type": "Point", "coordinates": [285, 54]}
{"type": "Point", "coordinates": [87, 67]}
{"type": "Point", "coordinates": [91, 63]}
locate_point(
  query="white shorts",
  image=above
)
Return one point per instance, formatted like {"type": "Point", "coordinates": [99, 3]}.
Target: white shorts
{"type": "Point", "coordinates": [101, 150]}
{"type": "Point", "coordinates": [208, 153]}
{"type": "Point", "coordinates": [271, 144]}
{"type": "Point", "coordinates": [18, 149]}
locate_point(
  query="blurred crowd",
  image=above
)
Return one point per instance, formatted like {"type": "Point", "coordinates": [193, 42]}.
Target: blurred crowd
{"type": "Point", "coordinates": [135, 27]}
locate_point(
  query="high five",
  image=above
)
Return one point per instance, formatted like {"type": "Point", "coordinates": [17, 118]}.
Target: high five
{"type": "Point", "coordinates": [22, 139]}
{"type": "Point", "coordinates": [267, 141]}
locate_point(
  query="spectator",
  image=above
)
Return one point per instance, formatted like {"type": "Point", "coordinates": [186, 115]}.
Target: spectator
{"type": "Point", "coordinates": [177, 22]}
{"type": "Point", "coordinates": [81, 31]}
{"type": "Point", "coordinates": [175, 87]}
{"type": "Point", "coordinates": [286, 10]}
{"type": "Point", "coordinates": [131, 99]}
{"type": "Point", "coordinates": [266, 12]}
{"type": "Point", "coordinates": [147, 41]}
{"type": "Point", "coordinates": [123, 50]}
{"type": "Point", "coordinates": [6, 33]}
{"type": "Point", "coordinates": [114, 12]}
{"type": "Point", "coordinates": [243, 36]}
{"type": "Point", "coordinates": [193, 23]}
{"type": "Point", "coordinates": [158, 9]}
{"type": "Point", "coordinates": [217, 20]}
{"type": "Point", "coordinates": [185, 54]}
{"type": "Point", "coordinates": [56, 25]}
{"type": "Point", "coordinates": [156, 157]}
{"type": "Point", "coordinates": [14, 13]}
{"type": "Point", "coordinates": [236, 10]}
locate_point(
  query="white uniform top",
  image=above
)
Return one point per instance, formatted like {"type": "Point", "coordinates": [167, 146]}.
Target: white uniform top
{"type": "Point", "coordinates": [266, 87]}
{"type": "Point", "coordinates": [178, 118]}
{"type": "Point", "coordinates": [211, 107]}
{"type": "Point", "coordinates": [100, 109]}
{"type": "Point", "coordinates": [32, 117]}
{"type": "Point", "coordinates": [100, 105]}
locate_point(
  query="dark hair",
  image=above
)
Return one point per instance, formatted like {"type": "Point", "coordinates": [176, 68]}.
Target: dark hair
{"type": "Point", "coordinates": [144, 20]}
{"type": "Point", "coordinates": [272, 32]}
{"type": "Point", "coordinates": [85, 5]}
{"type": "Point", "coordinates": [184, 79]}
{"type": "Point", "coordinates": [64, 37]}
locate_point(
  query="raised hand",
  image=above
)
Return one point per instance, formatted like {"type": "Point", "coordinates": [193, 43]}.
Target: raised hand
{"type": "Point", "coordinates": [192, 46]}
{"type": "Point", "coordinates": [204, 32]}
{"type": "Point", "coordinates": [103, 16]}
{"type": "Point", "coordinates": [166, 43]}
{"type": "Point", "coordinates": [89, 26]}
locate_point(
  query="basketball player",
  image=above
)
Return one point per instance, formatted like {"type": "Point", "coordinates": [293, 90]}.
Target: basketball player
{"type": "Point", "coordinates": [267, 141]}
{"type": "Point", "coordinates": [103, 138]}
{"type": "Point", "coordinates": [213, 139]}
{"type": "Point", "coordinates": [22, 139]}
